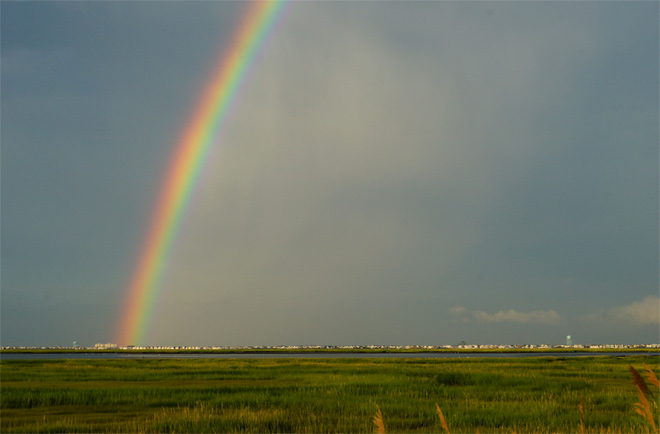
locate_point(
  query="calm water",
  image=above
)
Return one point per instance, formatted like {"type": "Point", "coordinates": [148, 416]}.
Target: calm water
{"type": "Point", "coordinates": [81, 355]}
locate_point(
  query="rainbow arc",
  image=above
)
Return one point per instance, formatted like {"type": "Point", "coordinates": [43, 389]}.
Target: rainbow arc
{"type": "Point", "coordinates": [186, 164]}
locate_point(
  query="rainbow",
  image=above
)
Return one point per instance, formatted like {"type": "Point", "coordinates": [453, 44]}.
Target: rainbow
{"type": "Point", "coordinates": [186, 165]}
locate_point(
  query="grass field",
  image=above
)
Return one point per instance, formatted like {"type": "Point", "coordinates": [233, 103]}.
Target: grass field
{"type": "Point", "coordinates": [542, 394]}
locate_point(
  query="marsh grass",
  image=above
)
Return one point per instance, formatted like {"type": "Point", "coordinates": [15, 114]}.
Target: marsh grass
{"type": "Point", "coordinates": [378, 421]}
{"type": "Point", "coordinates": [322, 395]}
{"type": "Point", "coordinates": [647, 407]}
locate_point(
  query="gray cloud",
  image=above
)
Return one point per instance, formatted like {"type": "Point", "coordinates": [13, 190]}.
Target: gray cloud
{"type": "Point", "coordinates": [538, 316]}
{"type": "Point", "coordinates": [547, 317]}
{"type": "Point", "coordinates": [640, 313]}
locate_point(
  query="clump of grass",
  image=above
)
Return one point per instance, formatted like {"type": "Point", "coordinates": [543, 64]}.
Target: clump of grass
{"type": "Point", "coordinates": [647, 407]}
{"type": "Point", "coordinates": [378, 421]}
{"type": "Point", "coordinates": [380, 424]}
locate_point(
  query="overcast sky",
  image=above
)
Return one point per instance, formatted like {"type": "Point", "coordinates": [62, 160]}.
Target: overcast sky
{"type": "Point", "coordinates": [391, 173]}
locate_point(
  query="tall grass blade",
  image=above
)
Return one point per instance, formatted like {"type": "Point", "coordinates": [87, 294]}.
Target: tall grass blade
{"type": "Point", "coordinates": [443, 422]}
{"type": "Point", "coordinates": [650, 376]}
{"type": "Point", "coordinates": [643, 407]}
{"type": "Point", "coordinates": [639, 382]}
{"type": "Point", "coordinates": [581, 407]}
{"type": "Point", "coordinates": [378, 421]}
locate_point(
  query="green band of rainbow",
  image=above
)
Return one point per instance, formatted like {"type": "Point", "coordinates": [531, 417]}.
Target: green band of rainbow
{"type": "Point", "coordinates": [185, 167]}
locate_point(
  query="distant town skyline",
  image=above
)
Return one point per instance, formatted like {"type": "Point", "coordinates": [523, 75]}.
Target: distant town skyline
{"type": "Point", "coordinates": [463, 346]}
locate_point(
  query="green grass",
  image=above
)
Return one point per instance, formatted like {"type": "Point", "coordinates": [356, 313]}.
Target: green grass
{"type": "Point", "coordinates": [320, 395]}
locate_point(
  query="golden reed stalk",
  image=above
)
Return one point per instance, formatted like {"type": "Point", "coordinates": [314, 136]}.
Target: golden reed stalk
{"type": "Point", "coordinates": [378, 421]}
{"type": "Point", "coordinates": [643, 407]}
{"type": "Point", "coordinates": [443, 422]}
{"type": "Point", "coordinates": [581, 407]}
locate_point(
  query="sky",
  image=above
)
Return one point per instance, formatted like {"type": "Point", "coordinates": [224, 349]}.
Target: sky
{"type": "Point", "coordinates": [393, 173]}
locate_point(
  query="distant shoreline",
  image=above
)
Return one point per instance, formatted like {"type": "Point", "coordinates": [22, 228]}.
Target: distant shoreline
{"type": "Point", "coordinates": [324, 350]}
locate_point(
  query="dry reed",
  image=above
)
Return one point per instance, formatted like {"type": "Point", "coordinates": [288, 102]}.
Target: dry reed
{"type": "Point", "coordinates": [581, 407]}
{"type": "Point", "coordinates": [644, 406]}
{"type": "Point", "coordinates": [443, 422]}
{"type": "Point", "coordinates": [650, 376]}
{"type": "Point", "coordinates": [378, 421]}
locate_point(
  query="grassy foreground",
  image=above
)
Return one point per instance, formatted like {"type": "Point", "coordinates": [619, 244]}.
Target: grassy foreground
{"type": "Point", "coordinates": [545, 394]}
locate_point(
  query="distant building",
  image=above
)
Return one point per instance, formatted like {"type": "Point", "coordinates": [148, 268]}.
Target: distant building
{"type": "Point", "coordinates": [105, 346]}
